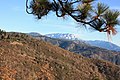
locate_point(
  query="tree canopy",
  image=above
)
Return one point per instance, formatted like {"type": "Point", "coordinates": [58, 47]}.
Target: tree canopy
{"type": "Point", "coordinates": [87, 12]}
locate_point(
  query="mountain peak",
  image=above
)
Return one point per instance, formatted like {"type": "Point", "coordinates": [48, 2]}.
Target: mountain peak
{"type": "Point", "coordinates": [64, 36]}
{"type": "Point", "coordinates": [97, 43]}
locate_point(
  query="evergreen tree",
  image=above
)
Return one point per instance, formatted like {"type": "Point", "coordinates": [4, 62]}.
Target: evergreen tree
{"type": "Point", "coordinates": [98, 17]}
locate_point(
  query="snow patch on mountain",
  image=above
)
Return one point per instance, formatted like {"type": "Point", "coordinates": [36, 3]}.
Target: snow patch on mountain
{"type": "Point", "coordinates": [64, 36]}
{"type": "Point", "coordinates": [97, 43]}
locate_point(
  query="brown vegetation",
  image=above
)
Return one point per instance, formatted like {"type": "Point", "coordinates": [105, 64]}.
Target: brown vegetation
{"type": "Point", "coordinates": [38, 60]}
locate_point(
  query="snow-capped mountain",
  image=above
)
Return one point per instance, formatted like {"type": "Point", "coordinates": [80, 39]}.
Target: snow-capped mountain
{"type": "Point", "coordinates": [104, 44]}
{"type": "Point", "coordinates": [97, 43]}
{"type": "Point", "coordinates": [64, 36]}
{"type": "Point", "coordinates": [83, 48]}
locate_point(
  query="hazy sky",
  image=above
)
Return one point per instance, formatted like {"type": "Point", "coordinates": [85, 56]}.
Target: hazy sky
{"type": "Point", "coordinates": [14, 18]}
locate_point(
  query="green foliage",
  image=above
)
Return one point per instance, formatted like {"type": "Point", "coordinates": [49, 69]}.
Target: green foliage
{"type": "Point", "coordinates": [111, 17]}
{"type": "Point", "coordinates": [40, 7]}
{"type": "Point", "coordinates": [95, 78]}
{"type": "Point", "coordinates": [2, 32]}
{"type": "Point", "coordinates": [101, 8]}
{"type": "Point", "coordinates": [98, 17]}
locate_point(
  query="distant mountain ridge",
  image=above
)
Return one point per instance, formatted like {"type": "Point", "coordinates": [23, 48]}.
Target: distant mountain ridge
{"type": "Point", "coordinates": [81, 47]}
{"type": "Point", "coordinates": [97, 43]}
{"type": "Point", "coordinates": [104, 44]}
{"type": "Point", "coordinates": [34, 34]}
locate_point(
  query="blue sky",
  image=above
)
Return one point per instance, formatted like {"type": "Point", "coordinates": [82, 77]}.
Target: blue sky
{"type": "Point", "coordinates": [14, 18]}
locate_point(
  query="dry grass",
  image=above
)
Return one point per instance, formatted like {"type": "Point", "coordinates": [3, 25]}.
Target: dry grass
{"type": "Point", "coordinates": [38, 60]}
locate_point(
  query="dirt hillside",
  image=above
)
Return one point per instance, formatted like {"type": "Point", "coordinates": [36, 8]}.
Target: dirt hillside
{"type": "Point", "coordinates": [25, 58]}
